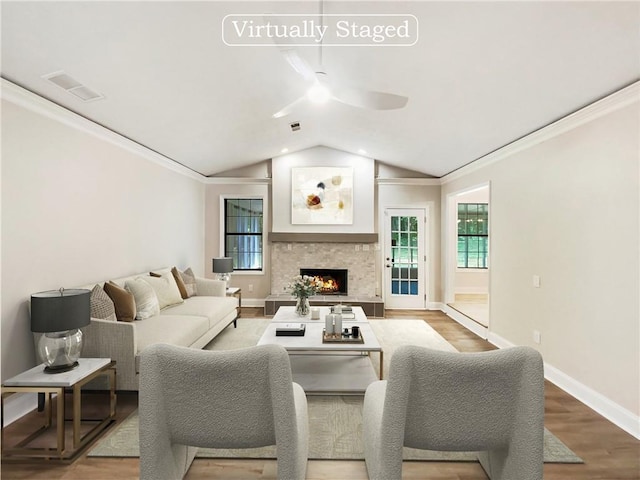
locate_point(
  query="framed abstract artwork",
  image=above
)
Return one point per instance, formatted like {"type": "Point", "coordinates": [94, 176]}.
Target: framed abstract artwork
{"type": "Point", "coordinates": [322, 195]}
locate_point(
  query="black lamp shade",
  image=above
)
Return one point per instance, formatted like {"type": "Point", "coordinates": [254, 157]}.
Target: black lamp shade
{"type": "Point", "coordinates": [60, 310]}
{"type": "Point", "coordinates": [223, 265]}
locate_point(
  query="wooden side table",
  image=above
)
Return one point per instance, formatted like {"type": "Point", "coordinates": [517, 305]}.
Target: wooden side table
{"type": "Point", "coordinates": [236, 292]}
{"type": "Point", "coordinates": [36, 381]}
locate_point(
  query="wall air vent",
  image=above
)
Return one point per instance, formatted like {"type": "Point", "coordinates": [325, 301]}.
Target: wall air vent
{"type": "Point", "coordinates": [295, 126]}
{"type": "Point", "coordinates": [72, 86]}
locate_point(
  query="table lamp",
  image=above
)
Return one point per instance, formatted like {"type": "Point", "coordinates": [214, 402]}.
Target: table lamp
{"type": "Point", "coordinates": [59, 314]}
{"type": "Point", "coordinates": [223, 267]}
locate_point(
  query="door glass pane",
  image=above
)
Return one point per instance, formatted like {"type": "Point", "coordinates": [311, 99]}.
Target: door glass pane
{"type": "Point", "coordinates": [404, 251]}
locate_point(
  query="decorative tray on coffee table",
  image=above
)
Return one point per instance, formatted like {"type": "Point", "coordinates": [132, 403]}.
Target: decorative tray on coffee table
{"type": "Point", "coordinates": [339, 338]}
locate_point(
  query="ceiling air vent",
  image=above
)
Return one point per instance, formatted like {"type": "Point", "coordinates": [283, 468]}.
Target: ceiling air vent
{"type": "Point", "coordinates": [295, 126]}
{"type": "Point", "coordinates": [72, 86]}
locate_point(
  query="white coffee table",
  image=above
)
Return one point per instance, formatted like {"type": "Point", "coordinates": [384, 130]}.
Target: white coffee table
{"type": "Point", "coordinates": [327, 368]}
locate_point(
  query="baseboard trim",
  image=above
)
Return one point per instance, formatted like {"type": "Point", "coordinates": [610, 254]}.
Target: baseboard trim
{"type": "Point", "coordinates": [253, 302]}
{"type": "Point", "coordinates": [466, 322]}
{"type": "Point", "coordinates": [610, 410]}
{"type": "Point", "coordinates": [18, 405]}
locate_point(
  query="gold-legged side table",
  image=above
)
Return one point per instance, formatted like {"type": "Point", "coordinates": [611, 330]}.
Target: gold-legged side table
{"type": "Point", "coordinates": [36, 381]}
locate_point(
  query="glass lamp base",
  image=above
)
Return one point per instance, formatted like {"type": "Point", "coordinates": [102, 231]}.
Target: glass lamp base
{"type": "Point", "coordinates": [225, 277]}
{"type": "Point", "coordinates": [60, 350]}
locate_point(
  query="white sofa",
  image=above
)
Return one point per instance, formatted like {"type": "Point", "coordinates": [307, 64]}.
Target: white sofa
{"type": "Point", "coordinates": [193, 323]}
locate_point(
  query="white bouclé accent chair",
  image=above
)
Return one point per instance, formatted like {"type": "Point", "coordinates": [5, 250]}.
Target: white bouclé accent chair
{"type": "Point", "coordinates": [233, 399]}
{"type": "Point", "coordinates": [489, 402]}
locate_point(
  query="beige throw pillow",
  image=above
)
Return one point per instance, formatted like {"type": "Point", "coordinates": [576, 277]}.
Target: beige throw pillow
{"type": "Point", "coordinates": [147, 304]}
{"type": "Point", "coordinates": [166, 289]}
{"type": "Point", "coordinates": [189, 280]}
{"type": "Point", "coordinates": [123, 302]}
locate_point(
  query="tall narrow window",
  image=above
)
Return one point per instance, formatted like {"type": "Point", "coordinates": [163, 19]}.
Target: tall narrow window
{"type": "Point", "coordinates": [473, 235]}
{"type": "Point", "coordinates": [243, 233]}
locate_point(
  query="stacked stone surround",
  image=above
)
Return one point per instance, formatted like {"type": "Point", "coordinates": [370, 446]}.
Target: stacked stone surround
{"type": "Point", "coordinates": [285, 264]}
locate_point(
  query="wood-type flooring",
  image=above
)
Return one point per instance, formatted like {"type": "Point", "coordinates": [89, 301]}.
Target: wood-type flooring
{"type": "Point", "coordinates": [609, 452]}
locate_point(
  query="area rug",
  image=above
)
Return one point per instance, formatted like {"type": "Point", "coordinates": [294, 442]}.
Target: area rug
{"type": "Point", "coordinates": [335, 422]}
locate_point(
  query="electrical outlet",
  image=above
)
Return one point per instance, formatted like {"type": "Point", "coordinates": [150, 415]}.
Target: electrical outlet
{"type": "Point", "coordinates": [365, 248]}
{"type": "Point", "coordinates": [536, 281]}
{"type": "Point", "coordinates": [357, 247]}
{"type": "Point", "coordinates": [251, 287]}
{"type": "Point", "coordinates": [288, 246]}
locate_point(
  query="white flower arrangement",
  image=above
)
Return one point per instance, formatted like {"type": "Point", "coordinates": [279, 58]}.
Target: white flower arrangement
{"type": "Point", "coordinates": [304, 286]}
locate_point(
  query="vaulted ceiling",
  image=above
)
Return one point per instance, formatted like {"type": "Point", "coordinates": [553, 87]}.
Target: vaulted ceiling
{"type": "Point", "coordinates": [481, 75]}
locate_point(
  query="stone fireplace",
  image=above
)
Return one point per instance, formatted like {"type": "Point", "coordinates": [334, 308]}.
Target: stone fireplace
{"type": "Point", "coordinates": [359, 260]}
{"type": "Point", "coordinates": [356, 260]}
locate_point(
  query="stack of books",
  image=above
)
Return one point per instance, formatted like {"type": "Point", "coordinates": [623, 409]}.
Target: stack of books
{"type": "Point", "coordinates": [290, 330]}
{"type": "Point", "coordinates": [347, 311]}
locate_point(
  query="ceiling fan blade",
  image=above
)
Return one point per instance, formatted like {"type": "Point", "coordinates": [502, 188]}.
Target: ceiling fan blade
{"type": "Point", "coordinates": [368, 99]}
{"type": "Point", "coordinates": [288, 109]}
{"type": "Point", "coordinates": [298, 63]}
{"type": "Point", "coordinates": [289, 52]}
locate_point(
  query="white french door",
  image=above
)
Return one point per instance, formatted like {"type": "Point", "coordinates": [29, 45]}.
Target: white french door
{"type": "Point", "coordinates": [404, 258]}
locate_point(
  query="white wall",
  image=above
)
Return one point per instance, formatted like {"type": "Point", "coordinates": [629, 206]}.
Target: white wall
{"type": "Point", "coordinates": [567, 209]}
{"type": "Point", "coordinates": [363, 189]}
{"type": "Point", "coordinates": [77, 209]}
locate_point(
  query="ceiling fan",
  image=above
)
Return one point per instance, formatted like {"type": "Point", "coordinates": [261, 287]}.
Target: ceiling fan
{"type": "Point", "coordinates": [322, 89]}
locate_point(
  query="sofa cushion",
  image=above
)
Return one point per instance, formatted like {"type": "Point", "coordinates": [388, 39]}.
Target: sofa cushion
{"type": "Point", "coordinates": [101, 305]}
{"type": "Point", "coordinates": [182, 330]}
{"type": "Point", "coordinates": [147, 304]}
{"type": "Point", "coordinates": [189, 280]}
{"type": "Point", "coordinates": [166, 289]}
{"type": "Point", "coordinates": [214, 308]}
{"type": "Point", "coordinates": [123, 301]}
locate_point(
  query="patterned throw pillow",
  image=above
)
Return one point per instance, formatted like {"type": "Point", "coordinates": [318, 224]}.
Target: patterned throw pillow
{"type": "Point", "coordinates": [123, 301]}
{"type": "Point", "coordinates": [189, 280]}
{"type": "Point", "coordinates": [101, 305]}
{"type": "Point", "coordinates": [147, 304]}
{"type": "Point", "coordinates": [166, 289]}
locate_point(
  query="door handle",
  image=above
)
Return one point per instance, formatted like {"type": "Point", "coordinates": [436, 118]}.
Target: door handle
{"type": "Point", "coordinates": [388, 266]}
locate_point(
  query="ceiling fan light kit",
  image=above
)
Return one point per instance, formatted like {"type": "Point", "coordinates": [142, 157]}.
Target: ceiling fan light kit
{"type": "Point", "coordinates": [318, 94]}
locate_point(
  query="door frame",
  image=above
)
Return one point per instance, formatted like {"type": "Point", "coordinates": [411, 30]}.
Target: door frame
{"type": "Point", "coordinates": [427, 208]}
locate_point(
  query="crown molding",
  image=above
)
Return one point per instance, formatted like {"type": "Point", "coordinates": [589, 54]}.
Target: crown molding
{"type": "Point", "coordinates": [237, 181]}
{"type": "Point", "coordinates": [604, 106]}
{"type": "Point", "coordinates": [409, 181]}
{"type": "Point", "coordinates": [24, 98]}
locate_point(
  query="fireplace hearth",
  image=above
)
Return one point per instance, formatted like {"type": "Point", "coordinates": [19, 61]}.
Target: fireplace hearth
{"type": "Point", "coordinates": [334, 280]}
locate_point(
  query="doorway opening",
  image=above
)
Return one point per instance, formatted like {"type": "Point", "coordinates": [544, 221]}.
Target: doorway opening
{"type": "Point", "coordinates": [468, 265]}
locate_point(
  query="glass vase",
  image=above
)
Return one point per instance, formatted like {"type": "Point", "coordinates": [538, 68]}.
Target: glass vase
{"type": "Point", "coordinates": [302, 306]}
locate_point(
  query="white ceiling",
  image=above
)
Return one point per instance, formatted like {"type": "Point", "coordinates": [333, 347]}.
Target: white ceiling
{"type": "Point", "coordinates": [482, 75]}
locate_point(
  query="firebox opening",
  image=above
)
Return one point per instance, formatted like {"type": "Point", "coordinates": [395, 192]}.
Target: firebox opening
{"type": "Point", "coordinates": [334, 280]}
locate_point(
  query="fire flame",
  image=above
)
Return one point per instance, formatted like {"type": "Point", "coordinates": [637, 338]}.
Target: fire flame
{"type": "Point", "coordinates": [328, 284]}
